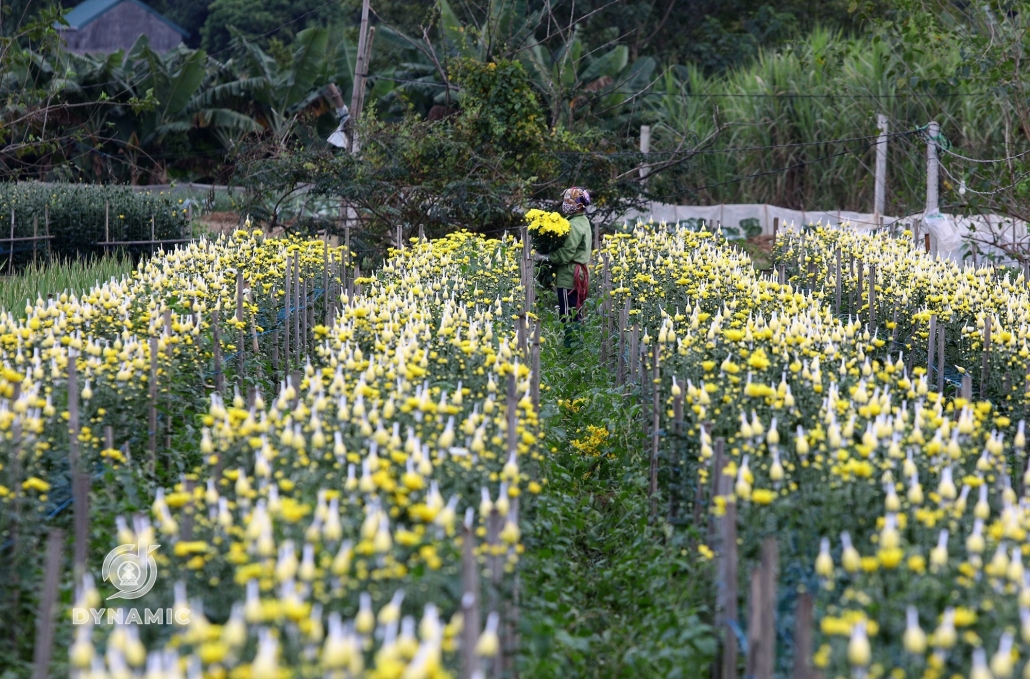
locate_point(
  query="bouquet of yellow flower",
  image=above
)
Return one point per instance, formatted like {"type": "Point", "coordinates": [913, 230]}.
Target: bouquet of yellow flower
{"type": "Point", "coordinates": [547, 229]}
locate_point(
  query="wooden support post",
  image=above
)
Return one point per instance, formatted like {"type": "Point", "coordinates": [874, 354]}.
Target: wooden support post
{"type": "Point", "coordinates": [288, 307]}
{"type": "Point", "coordinates": [931, 342]}
{"type": "Point", "coordinates": [511, 401]}
{"type": "Point", "coordinates": [804, 620]}
{"type": "Point", "coordinates": [469, 604]}
{"type": "Point", "coordinates": [35, 236]}
{"type": "Point", "coordinates": [776, 228]}
{"type": "Point", "coordinates": [80, 509]}
{"type": "Point", "coordinates": [153, 234]}
{"type": "Point", "coordinates": [216, 345]}
{"type": "Point", "coordinates": [44, 646]}
{"type": "Point", "coordinates": [926, 241]}
{"type": "Point", "coordinates": [985, 368]}
{"type": "Point", "coordinates": [634, 355]}
{"type": "Point", "coordinates": [535, 367]}
{"type": "Point", "coordinates": [940, 360]}
{"type": "Point", "coordinates": [622, 363]}
{"type": "Point", "coordinates": [728, 578]}
{"type": "Point", "coordinates": [152, 417]}
{"type": "Point", "coordinates": [967, 387]}
{"type": "Point", "coordinates": [761, 656]}
{"type": "Point", "coordinates": [837, 291]}
{"type": "Point", "coordinates": [652, 489]}
{"type": "Point", "coordinates": [325, 280]}
{"type": "Point", "coordinates": [80, 492]}
{"type": "Point", "coordinates": [296, 310]}
{"type": "Point", "coordinates": [240, 352]}
{"type": "Point", "coordinates": [107, 224]}
{"type": "Point", "coordinates": [872, 298]}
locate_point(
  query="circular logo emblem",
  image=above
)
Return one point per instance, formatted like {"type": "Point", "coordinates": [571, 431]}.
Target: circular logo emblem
{"type": "Point", "coordinates": [131, 569]}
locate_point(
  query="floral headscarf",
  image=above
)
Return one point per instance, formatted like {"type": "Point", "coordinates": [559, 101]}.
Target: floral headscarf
{"type": "Point", "coordinates": [574, 199]}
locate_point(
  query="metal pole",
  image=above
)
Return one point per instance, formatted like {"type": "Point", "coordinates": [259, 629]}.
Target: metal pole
{"type": "Point", "coordinates": [880, 193]}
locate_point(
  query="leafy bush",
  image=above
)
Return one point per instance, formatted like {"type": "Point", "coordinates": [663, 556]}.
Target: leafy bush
{"type": "Point", "coordinates": [74, 215]}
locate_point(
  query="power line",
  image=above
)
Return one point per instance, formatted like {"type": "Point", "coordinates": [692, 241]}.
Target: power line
{"type": "Point", "coordinates": [983, 193]}
{"type": "Point", "coordinates": [980, 160]}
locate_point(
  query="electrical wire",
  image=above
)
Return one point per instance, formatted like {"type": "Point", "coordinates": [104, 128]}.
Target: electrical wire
{"type": "Point", "coordinates": [981, 161]}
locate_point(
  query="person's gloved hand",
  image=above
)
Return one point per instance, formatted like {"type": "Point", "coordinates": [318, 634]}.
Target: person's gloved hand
{"type": "Point", "coordinates": [540, 258]}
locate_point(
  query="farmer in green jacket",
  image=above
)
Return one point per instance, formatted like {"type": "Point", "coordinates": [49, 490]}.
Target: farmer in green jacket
{"type": "Point", "coordinates": [571, 260]}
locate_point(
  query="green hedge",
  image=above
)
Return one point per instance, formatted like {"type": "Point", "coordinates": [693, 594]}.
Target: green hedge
{"type": "Point", "coordinates": [76, 217]}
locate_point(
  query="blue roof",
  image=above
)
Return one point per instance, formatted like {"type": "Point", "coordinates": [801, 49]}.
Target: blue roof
{"type": "Point", "coordinates": [89, 10]}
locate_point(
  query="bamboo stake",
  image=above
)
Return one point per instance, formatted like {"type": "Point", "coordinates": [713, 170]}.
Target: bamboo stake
{"type": "Point", "coordinates": [44, 647]}
{"type": "Point", "coordinates": [79, 489]}
{"type": "Point", "coordinates": [985, 369]}
{"type": "Point", "coordinates": [325, 279]}
{"type": "Point", "coordinates": [652, 490]}
{"type": "Point", "coordinates": [940, 360]}
{"type": "Point", "coordinates": [216, 345]}
{"type": "Point", "coordinates": [288, 297]}
{"type": "Point", "coordinates": [510, 403]}
{"type": "Point", "coordinates": [240, 353]}
{"type": "Point", "coordinates": [837, 291]}
{"type": "Point", "coordinates": [469, 604]}
{"type": "Point", "coordinates": [930, 344]}
{"type": "Point", "coordinates": [633, 352]}
{"type": "Point", "coordinates": [535, 358]}
{"type": "Point", "coordinates": [872, 298]}
{"type": "Point", "coordinates": [152, 416]}
{"type": "Point", "coordinates": [728, 575]}
{"type": "Point", "coordinates": [296, 309]}
{"type": "Point", "coordinates": [803, 637]}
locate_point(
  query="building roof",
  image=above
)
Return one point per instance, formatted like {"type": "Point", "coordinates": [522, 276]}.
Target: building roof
{"type": "Point", "coordinates": [87, 11]}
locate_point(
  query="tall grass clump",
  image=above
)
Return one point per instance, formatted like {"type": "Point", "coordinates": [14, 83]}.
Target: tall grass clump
{"type": "Point", "coordinates": [38, 280]}
{"type": "Point", "coordinates": [797, 99]}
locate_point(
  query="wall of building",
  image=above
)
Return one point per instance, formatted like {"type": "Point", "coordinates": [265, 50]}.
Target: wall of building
{"type": "Point", "coordinates": [119, 28]}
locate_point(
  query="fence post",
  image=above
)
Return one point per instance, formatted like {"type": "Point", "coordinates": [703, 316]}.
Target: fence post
{"type": "Point", "coordinates": [880, 192]}
{"type": "Point", "coordinates": [932, 172]}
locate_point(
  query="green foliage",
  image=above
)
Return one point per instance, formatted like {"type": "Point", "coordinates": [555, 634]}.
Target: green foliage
{"type": "Point", "coordinates": [76, 216]}
{"type": "Point", "coordinates": [284, 18]}
{"type": "Point", "coordinates": [607, 593]}
{"type": "Point", "coordinates": [500, 105]}
{"type": "Point", "coordinates": [43, 279]}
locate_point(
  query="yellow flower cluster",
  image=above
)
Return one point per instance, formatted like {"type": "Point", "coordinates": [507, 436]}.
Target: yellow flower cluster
{"type": "Point", "coordinates": [902, 503]}
{"type": "Point", "coordinates": [547, 223]}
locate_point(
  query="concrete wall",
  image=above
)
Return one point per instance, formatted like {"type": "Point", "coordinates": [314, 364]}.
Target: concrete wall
{"type": "Point", "coordinates": [118, 28]}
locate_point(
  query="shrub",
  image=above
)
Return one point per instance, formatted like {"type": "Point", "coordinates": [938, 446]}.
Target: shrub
{"type": "Point", "coordinates": [74, 215]}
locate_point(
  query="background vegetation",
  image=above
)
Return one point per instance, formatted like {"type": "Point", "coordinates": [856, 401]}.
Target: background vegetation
{"type": "Point", "coordinates": [475, 109]}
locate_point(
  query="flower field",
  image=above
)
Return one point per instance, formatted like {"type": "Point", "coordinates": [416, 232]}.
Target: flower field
{"type": "Point", "coordinates": [899, 507]}
{"type": "Point", "coordinates": [334, 473]}
{"type": "Point", "coordinates": [318, 528]}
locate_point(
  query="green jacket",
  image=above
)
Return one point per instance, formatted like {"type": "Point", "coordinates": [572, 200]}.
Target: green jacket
{"type": "Point", "coordinates": [575, 250]}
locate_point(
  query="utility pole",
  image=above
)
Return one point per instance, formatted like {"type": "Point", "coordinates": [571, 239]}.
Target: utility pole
{"type": "Point", "coordinates": [360, 73]}
{"type": "Point", "coordinates": [880, 193]}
